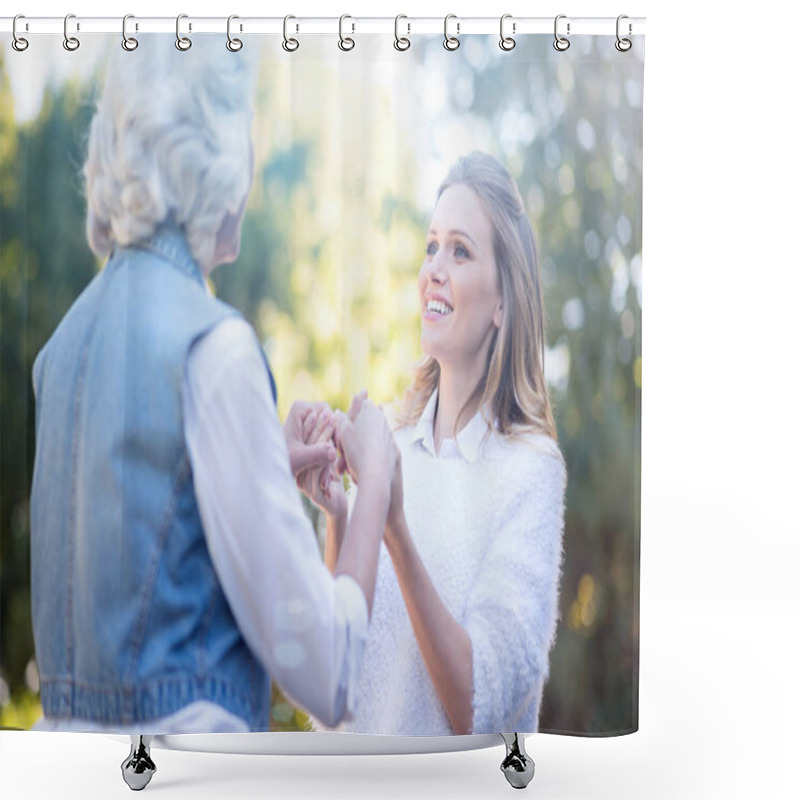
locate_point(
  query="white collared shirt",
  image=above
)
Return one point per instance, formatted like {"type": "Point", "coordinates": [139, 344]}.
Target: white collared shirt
{"type": "Point", "coordinates": [467, 442]}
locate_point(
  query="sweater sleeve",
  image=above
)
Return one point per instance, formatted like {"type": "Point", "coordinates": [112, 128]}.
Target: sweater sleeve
{"type": "Point", "coordinates": [512, 610]}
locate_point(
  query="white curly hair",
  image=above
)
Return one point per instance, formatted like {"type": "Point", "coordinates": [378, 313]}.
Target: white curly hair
{"type": "Point", "coordinates": [170, 139]}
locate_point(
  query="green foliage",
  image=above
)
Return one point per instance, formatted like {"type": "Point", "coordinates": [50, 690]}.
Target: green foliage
{"type": "Point", "coordinates": [284, 716]}
{"type": "Point", "coordinates": [22, 711]}
{"type": "Point", "coordinates": [44, 262]}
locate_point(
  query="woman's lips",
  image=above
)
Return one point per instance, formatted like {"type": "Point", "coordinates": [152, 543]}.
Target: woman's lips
{"type": "Point", "coordinates": [436, 308]}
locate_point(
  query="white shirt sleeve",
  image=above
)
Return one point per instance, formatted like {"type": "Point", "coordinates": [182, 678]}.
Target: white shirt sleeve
{"type": "Point", "coordinates": [306, 628]}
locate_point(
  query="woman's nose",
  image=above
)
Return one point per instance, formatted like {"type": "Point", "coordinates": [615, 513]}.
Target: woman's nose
{"type": "Point", "coordinates": [435, 268]}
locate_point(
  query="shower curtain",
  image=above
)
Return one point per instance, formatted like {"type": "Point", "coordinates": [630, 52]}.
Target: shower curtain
{"type": "Point", "coordinates": [455, 229]}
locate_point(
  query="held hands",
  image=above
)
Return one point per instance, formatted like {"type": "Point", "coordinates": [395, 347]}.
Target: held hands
{"type": "Point", "coordinates": [365, 447]}
{"type": "Point", "coordinates": [304, 455]}
{"type": "Point", "coordinates": [322, 484]}
{"type": "Point", "coordinates": [365, 441]}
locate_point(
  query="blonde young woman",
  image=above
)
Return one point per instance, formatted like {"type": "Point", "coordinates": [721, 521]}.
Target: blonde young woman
{"type": "Point", "coordinates": [466, 596]}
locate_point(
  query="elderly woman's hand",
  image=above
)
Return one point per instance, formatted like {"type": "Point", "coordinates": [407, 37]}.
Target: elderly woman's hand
{"type": "Point", "coordinates": [302, 455]}
{"type": "Point", "coordinates": [322, 484]}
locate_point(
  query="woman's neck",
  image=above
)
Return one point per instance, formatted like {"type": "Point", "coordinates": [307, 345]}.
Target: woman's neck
{"type": "Point", "coordinates": [455, 389]}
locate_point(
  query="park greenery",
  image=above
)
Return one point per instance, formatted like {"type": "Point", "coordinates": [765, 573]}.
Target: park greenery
{"type": "Point", "coordinates": [349, 150]}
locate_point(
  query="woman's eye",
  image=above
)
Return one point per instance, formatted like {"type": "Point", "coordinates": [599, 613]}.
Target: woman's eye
{"type": "Point", "coordinates": [430, 250]}
{"type": "Point", "coordinates": [461, 252]}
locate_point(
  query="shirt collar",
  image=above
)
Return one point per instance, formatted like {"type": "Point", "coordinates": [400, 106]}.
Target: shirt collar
{"type": "Point", "coordinates": [467, 442]}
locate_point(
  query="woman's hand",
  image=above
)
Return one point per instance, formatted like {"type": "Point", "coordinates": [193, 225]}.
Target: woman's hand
{"type": "Point", "coordinates": [322, 484]}
{"type": "Point", "coordinates": [303, 456]}
{"type": "Point", "coordinates": [364, 438]}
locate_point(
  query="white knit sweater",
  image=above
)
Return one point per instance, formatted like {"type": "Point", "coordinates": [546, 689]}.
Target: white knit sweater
{"type": "Point", "coordinates": [487, 518]}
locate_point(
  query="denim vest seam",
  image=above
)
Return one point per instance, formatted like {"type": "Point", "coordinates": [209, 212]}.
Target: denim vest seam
{"type": "Point", "coordinates": [204, 629]}
{"type": "Point", "coordinates": [68, 614]}
{"type": "Point", "coordinates": [183, 474]}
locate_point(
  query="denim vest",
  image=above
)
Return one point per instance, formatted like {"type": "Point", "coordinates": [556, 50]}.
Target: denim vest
{"type": "Point", "coordinates": [130, 621]}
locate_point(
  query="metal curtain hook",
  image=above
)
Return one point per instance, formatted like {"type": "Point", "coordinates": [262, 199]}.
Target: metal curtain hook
{"type": "Point", "coordinates": [128, 42]}
{"type": "Point", "coordinates": [401, 42]}
{"type": "Point", "coordinates": [182, 42]}
{"type": "Point", "coordinates": [561, 43]}
{"type": "Point", "coordinates": [289, 45]}
{"type": "Point", "coordinates": [345, 42]}
{"type": "Point", "coordinates": [19, 43]}
{"type": "Point", "coordinates": [623, 45]}
{"type": "Point", "coordinates": [71, 43]}
{"type": "Point", "coordinates": [451, 42]}
{"type": "Point", "coordinates": [507, 42]}
{"type": "Point", "coordinates": [234, 45]}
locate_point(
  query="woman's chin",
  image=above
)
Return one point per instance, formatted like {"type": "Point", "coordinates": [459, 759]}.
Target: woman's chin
{"type": "Point", "coordinates": [430, 346]}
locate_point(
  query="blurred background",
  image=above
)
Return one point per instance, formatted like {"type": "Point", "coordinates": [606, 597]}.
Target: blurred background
{"type": "Point", "coordinates": [350, 148]}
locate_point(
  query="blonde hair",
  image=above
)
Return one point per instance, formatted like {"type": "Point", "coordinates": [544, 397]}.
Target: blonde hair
{"type": "Point", "coordinates": [170, 140]}
{"type": "Point", "coordinates": [513, 389]}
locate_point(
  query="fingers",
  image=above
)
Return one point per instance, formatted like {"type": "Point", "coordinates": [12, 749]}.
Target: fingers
{"type": "Point", "coordinates": [317, 481]}
{"type": "Point", "coordinates": [303, 481]}
{"type": "Point", "coordinates": [318, 426]}
{"type": "Point", "coordinates": [343, 432]}
{"type": "Point", "coordinates": [299, 412]}
{"type": "Point", "coordinates": [316, 455]}
{"type": "Point", "coordinates": [341, 424]}
{"type": "Point", "coordinates": [325, 479]}
{"type": "Point", "coordinates": [307, 426]}
{"type": "Point", "coordinates": [314, 448]}
{"type": "Point", "coordinates": [355, 405]}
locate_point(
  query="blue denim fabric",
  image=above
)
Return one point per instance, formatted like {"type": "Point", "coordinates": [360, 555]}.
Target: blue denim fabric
{"type": "Point", "coordinates": [130, 621]}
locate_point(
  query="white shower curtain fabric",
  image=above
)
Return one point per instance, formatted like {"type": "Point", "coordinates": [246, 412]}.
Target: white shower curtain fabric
{"type": "Point", "coordinates": [206, 257]}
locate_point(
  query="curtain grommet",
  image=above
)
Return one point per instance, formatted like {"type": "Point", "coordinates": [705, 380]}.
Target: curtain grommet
{"type": "Point", "coordinates": [561, 43]}
{"type": "Point", "coordinates": [128, 42]}
{"type": "Point", "coordinates": [451, 43]}
{"type": "Point", "coordinates": [401, 43]}
{"type": "Point", "coordinates": [71, 43]}
{"type": "Point", "coordinates": [507, 43]}
{"type": "Point", "coordinates": [623, 44]}
{"type": "Point", "coordinates": [234, 45]}
{"type": "Point", "coordinates": [346, 43]}
{"type": "Point", "coordinates": [183, 43]}
{"type": "Point", "coordinates": [19, 43]}
{"type": "Point", "coordinates": [289, 44]}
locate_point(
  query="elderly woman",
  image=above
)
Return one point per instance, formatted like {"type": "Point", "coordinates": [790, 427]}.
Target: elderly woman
{"type": "Point", "coordinates": [173, 568]}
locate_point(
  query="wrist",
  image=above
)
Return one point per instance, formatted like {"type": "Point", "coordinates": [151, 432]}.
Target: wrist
{"type": "Point", "coordinates": [380, 491]}
{"type": "Point", "coordinates": [394, 519]}
{"type": "Point", "coordinates": [394, 536]}
{"type": "Point", "coordinates": [337, 514]}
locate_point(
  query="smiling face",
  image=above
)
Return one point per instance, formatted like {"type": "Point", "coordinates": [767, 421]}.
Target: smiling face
{"type": "Point", "coordinates": [459, 288]}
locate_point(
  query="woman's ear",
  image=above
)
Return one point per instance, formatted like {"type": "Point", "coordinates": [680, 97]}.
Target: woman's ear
{"type": "Point", "coordinates": [497, 319]}
{"type": "Point", "coordinates": [229, 236]}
